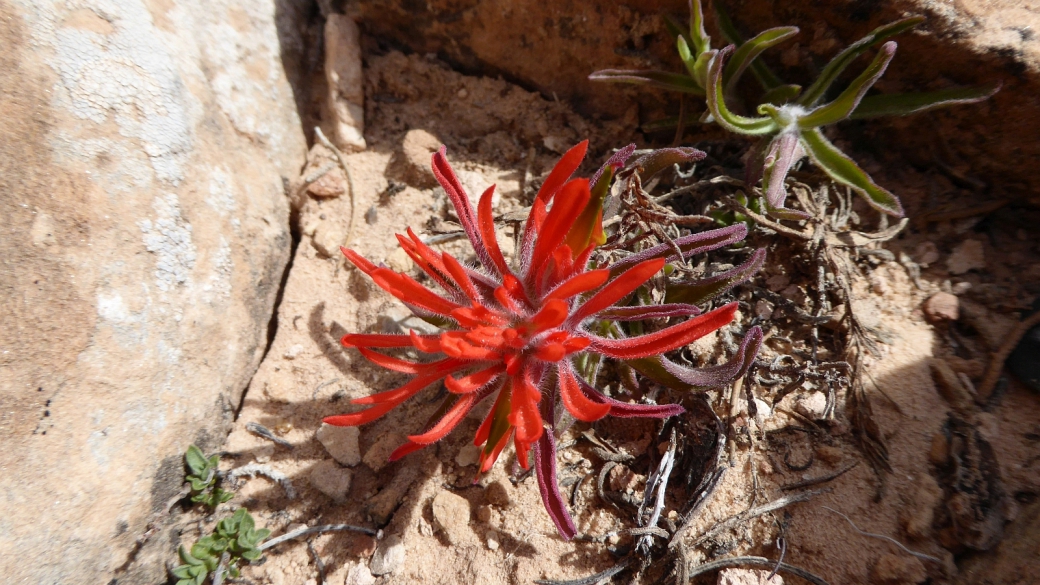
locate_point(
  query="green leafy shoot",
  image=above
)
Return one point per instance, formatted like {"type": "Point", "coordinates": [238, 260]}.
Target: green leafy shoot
{"type": "Point", "coordinates": [235, 535]}
{"type": "Point", "coordinates": [789, 119]}
{"type": "Point", "coordinates": [203, 477]}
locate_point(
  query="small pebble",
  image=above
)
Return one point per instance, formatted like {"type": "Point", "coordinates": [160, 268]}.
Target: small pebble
{"type": "Point", "coordinates": [341, 443]}
{"type": "Point", "coordinates": [942, 307]}
{"type": "Point", "coordinates": [389, 557]}
{"type": "Point", "coordinates": [497, 494]}
{"type": "Point", "coordinates": [968, 255]}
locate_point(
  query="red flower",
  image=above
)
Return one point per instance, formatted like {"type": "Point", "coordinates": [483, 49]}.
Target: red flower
{"type": "Point", "coordinates": [514, 330]}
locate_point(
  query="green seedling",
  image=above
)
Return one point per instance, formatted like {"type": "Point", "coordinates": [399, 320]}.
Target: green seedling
{"type": "Point", "coordinates": [789, 120]}
{"type": "Point", "coordinates": [236, 536]}
{"type": "Point", "coordinates": [203, 476]}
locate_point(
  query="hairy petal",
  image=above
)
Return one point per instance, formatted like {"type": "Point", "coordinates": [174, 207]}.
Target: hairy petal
{"type": "Point", "coordinates": [715, 376]}
{"type": "Point", "coordinates": [626, 410]}
{"type": "Point", "coordinates": [450, 182]}
{"type": "Point", "coordinates": [642, 312]}
{"type": "Point", "coordinates": [618, 289]}
{"type": "Point", "coordinates": [576, 402]}
{"type": "Point", "coordinates": [666, 339]}
{"type": "Point", "coordinates": [689, 245]}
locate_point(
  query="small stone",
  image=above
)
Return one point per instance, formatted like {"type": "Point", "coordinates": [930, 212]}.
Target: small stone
{"type": "Point", "coordinates": [497, 494]}
{"type": "Point", "coordinates": [926, 254]}
{"type": "Point", "coordinates": [468, 455]}
{"type": "Point", "coordinates": [919, 512]}
{"type": "Point", "coordinates": [389, 557]}
{"type": "Point", "coordinates": [332, 480]}
{"type": "Point", "coordinates": [763, 309]}
{"type": "Point", "coordinates": [557, 144]}
{"type": "Point", "coordinates": [898, 569]}
{"type": "Point", "coordinates": [748, 577]}
{"type": "Point", "coordinates": [328, 186]}
{"type": "Point", "coordinates": [942, 307]}
{"type": "Point", "coordinates": [829, 454]}
{"type": "Point", "coordinates": [378, 454]}
{"type": "Point", "coordinates": [968, 255]}
{"type": "Point", "coordinates": [341, 443]}
{"type": "Point", "coordinates": [410, 164]}
{"type": "Point", "coordinates": [812, 406]}
{"type": "Point", "coordinates": [462, 94]}
{"type": "Point", "coordinates": [484, 513]}
{"type": "Point", "coordinates": [492, 540]}
{"type": "Point", "coordinates": [778, 282]}
{"type": "Point", "coordinates": [293, 351]}
{"type": "Point", "coordinates": [359, 575]}
{"type": "Point", "coordinates": [327, 239]}
{"type": "Point", "coordinates": [451, 515]}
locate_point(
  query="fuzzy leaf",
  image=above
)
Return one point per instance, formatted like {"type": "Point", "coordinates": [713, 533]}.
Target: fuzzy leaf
{"type": "Point", "coordinates": [700, 39]}
{"type": "Point", "coordinates": [653, 368]}
{"type": "Point", "coordinates": [658, 79]}
{"type": "Point", "coordinates": [842, 169]}
{"type": "Point", "coordinates": [706, 289]}
{"type": "Point", "coordinates": [715, 376]}
{"type": "Point", "coordinates": [783, 152]}
{"type": "Point", "coordinates": [717, 103]}
{"type": "Point", "coordinates": [746, 53]}
{"type": "Point", "coordinates": [187, 558]}
{"type": "Point", "coordinates": [904, 104]}
{"type": "Point", "coordinates": [252, 554]}
{"type": "Point", "coordinates": [837, 65]}
{"type": "Point", "coordinates": [765, 76]}
{"type": "Point", "coordinates": [843, 106]}
{"type": "Point", "coordinates": [690, 245]}
{"type": "Point", "coordinates": [662, 158]}
{"type": "Point", "coordinates": [545, 468]}
{"type": "Point", "coordinates": [197, 462]}
{"type": "Point", "coordinates": [782, 94]}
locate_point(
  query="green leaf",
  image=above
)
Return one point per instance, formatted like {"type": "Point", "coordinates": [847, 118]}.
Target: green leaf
{"type": "Point", "coordinates": [223, 495]}
{"type": "Point", "coordinates": [782, 94]}
{"type": "Point", "coordinates": [252, 554]}
{"type": "Point", "coordinates": [654, 370]}
{"type": "Point", "coordinates": [261, 534]}
{"type": "Point", "coordinates": [245, 521]}
{"type": "Point", "coordinates": [717, 104]}
{"type": "Point", "coordinates": [842, 169]}
{"type": "Point", "coordinates": [837, 65]}
{"type": "Point", "coordinates": [698, 36]}
{"type": "Point", "coordinates": [765, 76]}
{"type": "Point", "coordinates": [904, 104]}
{"type": "Point", "coordinates": [704, 290]}
{"type": "Point", "coordinates": [196, 461]}
{"type": "Point", "coordinates": [658, 79]}
{"type": "Point", "coordinates": [187, 558]}
{"type": "Point", "coordinates": [846, 102]}
{"type": "Point", "coordinates": [746, 53]}
{"type": "Point", "coordinates": [181, 572]}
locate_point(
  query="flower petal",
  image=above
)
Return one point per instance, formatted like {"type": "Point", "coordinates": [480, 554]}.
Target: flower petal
{"type": "Point", "coordinates": [553, 313]}
{"type": "Point", "coordinates": [385, 340]}
{"type": "Point", "coordinates": [666, 339]}
{"type": "Point", "coordinates": [564, 168]}
{"type": "Point", "coordinates": [361, 417]}
{"type": "Point", "coordinates": [626, 410]}
{"type": "Point", "coordinates": [641, 312]}
{"type": "Point", "coordinates": [486, 223]}
{"type": "Point", "coordinates": [447, 178]}
{"type": "Point", "coordinates": [576, 402]}
{"type": "Point", "coordinates": [618, 289]}
{"type": "Point", "coordinates": [391, 363]}
{"type": "Point", "coordinates": [568, 203]}
{"type": "Point", "coordinates": [474, 381]}
{"type": "Point", "coordinates": [408, 290]}
{"type": "Point", "coordinates": [450, 420]}
{"type": "Point", "coordinates": [579, 283]}
{"type": "Point", "coordinates": [432, 373]}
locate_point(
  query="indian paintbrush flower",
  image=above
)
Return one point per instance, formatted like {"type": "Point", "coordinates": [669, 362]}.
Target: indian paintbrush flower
{"type": "Point", "coordinates": [512, 332]}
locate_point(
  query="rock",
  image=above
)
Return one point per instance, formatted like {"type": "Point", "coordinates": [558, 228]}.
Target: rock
{"type": "Point", "coordinates": [748, 577]}
{"type": "Point", "coordinates": [332, 480]}
{"type": "Point", "coordinates": [343, 75]}
{"type": "Point", "coordinates": [381, 507]}
{"type": "Point", "coordinates": [829, 454]}
{"type": "Point", "coordinates": [898, 569]}
{"type": "Point", "coordinates": [411, 163]}
{"type": "Point", "coordinates": [330, 185]}
{"type": "Point", "coordinates": [497, 494]}
{"type": "Point", "coordinates": [763, 309]}
{"type": "Point", "coordinates": [328, 238]}
{"type": "Point", "coordinates": [378, 455]}
{"type": "Point", "coordinates": [484, 513]}
{"type": "Point", "coordinates": [341, 443]}
{"type": "Point", "coordinates": [1024, 361]}
{"type": "Point", "coordinates": [492, 540]}
{"type": "Point", "coordinates": [919, 512]}
{"type": "Point", "coordinates": [926, 254]}
{"type": "Point", "coordinates": [451, 516]}
{"type": "Point", "coordinates": [468, 455]}
{"type": "Point", "coordinates": [942, 306]}
{"type": "Point", "coordinates": [359, 575]}
{"type": "Point", "coordinates": [144, 237]}
{"type": "Point", "coordinates": [389, 557]}
{"type": "Point", "coordinates": [812, 405]}
{"type": "Point", "coordinates": [968, 255]}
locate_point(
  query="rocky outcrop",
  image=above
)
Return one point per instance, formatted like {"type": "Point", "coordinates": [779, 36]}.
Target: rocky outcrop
{"type": "Point", "coordinates": [143, 147]}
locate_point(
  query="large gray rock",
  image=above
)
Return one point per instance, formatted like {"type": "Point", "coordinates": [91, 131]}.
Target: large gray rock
{"type": "Point", "coordinates": [144, 236]}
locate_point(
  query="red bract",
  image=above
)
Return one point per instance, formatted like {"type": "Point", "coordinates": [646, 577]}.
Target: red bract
{"type": "Point", "coordinates": [514, 330]}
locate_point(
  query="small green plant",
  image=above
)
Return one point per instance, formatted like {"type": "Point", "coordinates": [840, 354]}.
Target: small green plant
{"type": "Point", "coordinates": [236, 536]}
{"type": "Point", "coordinates": [203, 477]}
{"type": "Point", "coordinates": [789, 119]}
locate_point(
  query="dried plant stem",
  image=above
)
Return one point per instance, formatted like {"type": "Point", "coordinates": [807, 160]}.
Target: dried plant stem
{"type": "Point", "coordinates": [319, 530]}
{"type": "Point", "coordinates": [996, 364]}
{"type": "Point", "coordinates": [755, 562]}
{"type": "Point", "coordinates": [346, 171]}
{"type": "Point", "coordinates": [755, 512]}
{"type": "Point", "coordinates": [883, 537]}
{"type": "Point", "coordinates": [601, 577]}
{"type": "Point", "coordinates": [821, 479]}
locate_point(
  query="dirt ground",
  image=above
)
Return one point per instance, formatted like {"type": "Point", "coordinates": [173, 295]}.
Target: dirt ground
{"type": "Point", "coordinates": [499, 133]}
